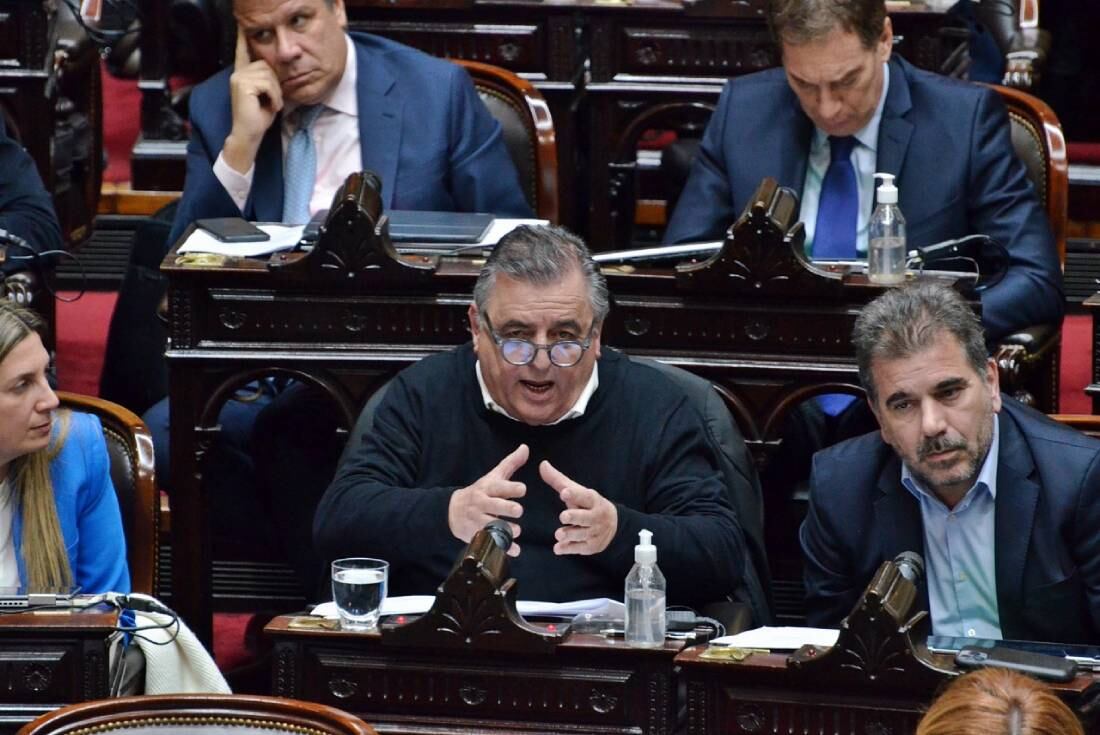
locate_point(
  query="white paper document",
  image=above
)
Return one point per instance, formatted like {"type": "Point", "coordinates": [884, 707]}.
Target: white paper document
{"type": "Point", "coordinates": [502, 226]}
{"type": "Point", "coordinates": [420, 604]}
{"type": "Point", "coordinates": [783, 638]}
{"type": "Point", "coordinates": [283, 237]}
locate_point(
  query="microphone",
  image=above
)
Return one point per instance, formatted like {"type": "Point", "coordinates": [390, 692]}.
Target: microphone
{"type": "Point", "coordinates": [979, 254]}
{"type": "Point", "coordinates": [910, 565]}
{"type": "Point", "coordinates": [501, 533]}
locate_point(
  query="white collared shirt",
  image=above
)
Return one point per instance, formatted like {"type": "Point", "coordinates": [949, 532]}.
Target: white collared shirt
{"type": "Point", "coordinates": [960, 553]}
{"type": "Point", "coordinates": [577, 409]}
{"type": "Point", "coordinates": [864, 160]}
{"type": "Point", "coordinates": [335, 138]}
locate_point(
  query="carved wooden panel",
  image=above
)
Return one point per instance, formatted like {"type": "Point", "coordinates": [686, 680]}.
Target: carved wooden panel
{"type": "Point", "coordinates": [680, 50]}
{"type": "Point", "coordinates": [519, 47]}
{"type": "Point", "coordinates": [23, 33]}
{"type": "Point", "coordinates": [754, 712]}
{"type": "Point", "coordinates": [38, 672]}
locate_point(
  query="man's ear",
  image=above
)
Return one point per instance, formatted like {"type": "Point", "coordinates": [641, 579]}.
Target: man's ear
{"type": "Point", "coordinates": [474, 318]}
{"type": "Point", "coordinates": [993, 381]}
{"type": "Point", "coordinates": [886, 40]}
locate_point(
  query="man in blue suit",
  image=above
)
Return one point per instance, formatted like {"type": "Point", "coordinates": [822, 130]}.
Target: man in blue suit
{"type": "Point", "coordinates": [1002, 502]}
{"type": "Point", "coordinates": [413, 119]}
{"type": "Point", "coordinates": [946, 141]}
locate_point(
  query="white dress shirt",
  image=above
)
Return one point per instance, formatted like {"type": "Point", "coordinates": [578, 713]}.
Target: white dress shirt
{"type": "Point", "coordinates": [335, 138]}
{"type": "Point", "coordinates": [578, 408]}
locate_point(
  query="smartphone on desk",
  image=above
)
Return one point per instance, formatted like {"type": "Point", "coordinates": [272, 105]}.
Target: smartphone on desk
{"type": "Point", "coordinates": [1040, 665]}
{"type": "Point", "coordinates": [232, 229]}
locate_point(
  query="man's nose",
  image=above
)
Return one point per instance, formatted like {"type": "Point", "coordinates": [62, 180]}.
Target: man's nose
{"type": "Point", "coordinates": [829, 105]}
{"type": "Point", "coordinates": [541, 360]}
{"type": "Point", "coordinates": [933, 422]}
{"type": "Point", "coordinates": [286, 45]}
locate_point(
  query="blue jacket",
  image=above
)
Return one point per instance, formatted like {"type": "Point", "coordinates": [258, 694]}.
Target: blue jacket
{"type": "Point", "coordinates": [87, 509]}
{"type": "Point", "coordinates": [946, 141]}
{"type": "Point", "coordinates": [1046, 527]}
{"type": "Point", "coordinates": [422, 128]}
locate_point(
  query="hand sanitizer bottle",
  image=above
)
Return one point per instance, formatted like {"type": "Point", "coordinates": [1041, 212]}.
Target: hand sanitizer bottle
{"type": "Point", "coordinates": [645, 597]}
{"type": "Point", "coordinates": [886, 236]}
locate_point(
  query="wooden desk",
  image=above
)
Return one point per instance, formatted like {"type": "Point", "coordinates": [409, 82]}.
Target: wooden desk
{"type": "Point", "coordinates": [768, 336]}
{"type": "Point", "coordinates": [588, 684]}
{"type": "Point", "coordinates": [762, 694]}
{"type": "Point", "coordinates": [48, 659]}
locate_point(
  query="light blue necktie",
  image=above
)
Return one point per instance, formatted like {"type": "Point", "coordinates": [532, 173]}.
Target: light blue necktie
{"type": "Point", "coordinates": [301, 167]}
{"type": "Point", "coordinates": [838, 205]}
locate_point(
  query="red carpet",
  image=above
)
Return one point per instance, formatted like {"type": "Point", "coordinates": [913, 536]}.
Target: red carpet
{"type": "Point", "coordinates": [121, 122]}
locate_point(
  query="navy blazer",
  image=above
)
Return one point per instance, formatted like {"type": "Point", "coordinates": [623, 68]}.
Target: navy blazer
{"type": "Point", "coordinates": [1046, 527]}
{"type": "Point", "coordinates": [26, 208]}
{"type": "Point", "coordinates": [422, 128]}
{"type": "Point", "coordinates": [948, 142]}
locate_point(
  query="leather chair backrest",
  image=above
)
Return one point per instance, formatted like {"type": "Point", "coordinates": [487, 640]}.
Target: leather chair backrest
{"type": "Point", "coordinates": [130, 452]}
{"type": "Point", "coordinates": [1039, 143]}
{"type": "Point", "coordinates": [738, 469]}
{"type": "Point", "coordinates": [198, 714]}
{"type": "Point", "coordinates": [514, 124]}
{"type": "Point", "coordinates": [742, 484]}
{"type": "Point", "coordinates": [528, 130]}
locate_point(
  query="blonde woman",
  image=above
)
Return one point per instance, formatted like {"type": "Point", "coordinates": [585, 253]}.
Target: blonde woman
{"type": "Point", "coordinates": [59, 518]}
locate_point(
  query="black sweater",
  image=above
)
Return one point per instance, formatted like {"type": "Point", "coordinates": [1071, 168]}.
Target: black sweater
{"type": "Point", "coordinates": [640, 444]}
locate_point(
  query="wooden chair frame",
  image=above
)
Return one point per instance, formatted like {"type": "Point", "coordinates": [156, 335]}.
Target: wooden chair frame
{"type": "Point", "coordinates": [522, 96]}
{"type": "Point", "coordinates": [215, 713]}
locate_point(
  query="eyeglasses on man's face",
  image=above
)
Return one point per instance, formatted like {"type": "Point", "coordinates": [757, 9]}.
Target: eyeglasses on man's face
{"type": "Point", "coordinates": [519, 352]}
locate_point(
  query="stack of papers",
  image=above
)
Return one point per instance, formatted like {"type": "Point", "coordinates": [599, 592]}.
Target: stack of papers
{"type": "Point", "coordinates": [285, 237]}
{"type": "Point", "coordinates": [420, 604]}
{"type": "Point", "coordinates": [786, 638]}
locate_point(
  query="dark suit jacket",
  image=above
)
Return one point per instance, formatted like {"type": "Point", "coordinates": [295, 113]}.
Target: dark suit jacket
{"type": "Point", "coordinates": [422, 128]}
{"type": "Point", "coordinates": [946, 141]}
{"type": "Point", "coordinates": [26, 208]}
{"type": "Point", "coordinates": [1046, 527]}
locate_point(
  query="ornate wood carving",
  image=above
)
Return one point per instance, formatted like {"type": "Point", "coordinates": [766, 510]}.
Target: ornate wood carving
{"type": "Point", "coordinates": [285, 677]}
{"type": "Point", "coordinates": [475, 609]}
{"type": "Point", "coordinates": [878, 641]}
{"type": "Point", "coordinates": [355, 240]}
{"type": "Point", "coordinates": [763, 255]}
{"type": "Point", "coordinates": [523, 689]}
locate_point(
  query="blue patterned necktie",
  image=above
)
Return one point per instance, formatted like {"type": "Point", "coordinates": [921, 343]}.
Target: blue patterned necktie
{"type": "Point", "coordinates": [838, 205]}
{"type": "Point", "coordinates": [301, 167]}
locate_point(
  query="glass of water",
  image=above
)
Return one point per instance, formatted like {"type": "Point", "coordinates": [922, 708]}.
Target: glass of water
{"type": "Point", "coordinates": [358, 588]}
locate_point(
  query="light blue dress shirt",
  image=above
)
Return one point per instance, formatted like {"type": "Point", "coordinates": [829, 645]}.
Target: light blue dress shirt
{"type": "Point", "coordinates": [864, 160]}
{"type": "Point", "coordinates": [959, 554]}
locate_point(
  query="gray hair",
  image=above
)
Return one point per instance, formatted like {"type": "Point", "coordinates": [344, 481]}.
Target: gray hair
{"type": "Point", "coordinates": [542, 255]}
{"type": "Point", "coordinates": [800, 21]}
{"type": "Point", "coordinates": [906, 320]}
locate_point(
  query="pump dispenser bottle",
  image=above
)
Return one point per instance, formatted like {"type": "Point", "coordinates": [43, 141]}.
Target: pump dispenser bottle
{"type": "Point", "coordinates": [886, 236]}
{"type": "Point", "coordinates": [645, 597]}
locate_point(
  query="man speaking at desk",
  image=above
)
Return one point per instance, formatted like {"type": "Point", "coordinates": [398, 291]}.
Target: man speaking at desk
{"type": "Point", "coordinates": [306, 103]}
{"type": "Point", "coordinates": [842, 108]}
{"type": "Point", "coordinates": [1002, 502]}
{"type": "Point", "coordinates": [576, 445]}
